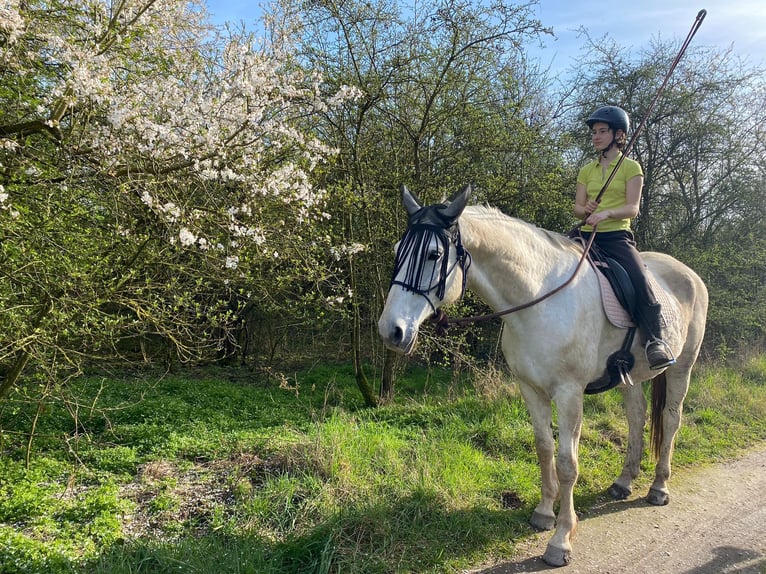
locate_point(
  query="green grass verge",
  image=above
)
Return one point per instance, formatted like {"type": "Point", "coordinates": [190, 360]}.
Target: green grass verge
{"type": "Point", "coordinates": [202, 473]}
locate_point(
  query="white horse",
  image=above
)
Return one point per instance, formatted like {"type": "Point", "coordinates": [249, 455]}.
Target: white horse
{"type": "Point", "coordinates": [556, 347]}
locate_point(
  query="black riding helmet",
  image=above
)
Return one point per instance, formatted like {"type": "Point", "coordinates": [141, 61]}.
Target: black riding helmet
{"type": "Point", "coordinates": [615, 117]}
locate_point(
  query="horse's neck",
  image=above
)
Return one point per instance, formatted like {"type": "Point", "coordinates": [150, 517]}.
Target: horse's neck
{"type": "Point", "coordinates": [512, 262]}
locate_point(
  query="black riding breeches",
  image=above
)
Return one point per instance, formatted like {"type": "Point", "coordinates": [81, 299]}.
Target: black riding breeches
{"type": "Point", "coordinates": [621, 246]}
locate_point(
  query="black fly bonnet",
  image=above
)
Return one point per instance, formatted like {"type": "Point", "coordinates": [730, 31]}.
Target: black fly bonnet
{"type": "Point", "coordinates": [429, 224]}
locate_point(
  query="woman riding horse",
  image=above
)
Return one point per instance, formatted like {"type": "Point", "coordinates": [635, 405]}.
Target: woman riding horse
{"type": "Point", "coordinates": [609, 127]}
{"type": "Point", "coordinates": [450, 246]}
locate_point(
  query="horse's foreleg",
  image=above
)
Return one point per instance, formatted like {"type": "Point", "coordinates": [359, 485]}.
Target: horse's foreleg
{"type": "Point", "coordinates": [670, 421]}
{"type": "Point", "coordinates": [539, 406]}
{"type": "Point", "coordinates": [559, 550]}
{"type": "Point", "coordinates": [635, 409]}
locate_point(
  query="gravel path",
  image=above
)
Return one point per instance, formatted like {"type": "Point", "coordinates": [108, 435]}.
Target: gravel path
{"type": "Point", "coordinates": [715, 524]}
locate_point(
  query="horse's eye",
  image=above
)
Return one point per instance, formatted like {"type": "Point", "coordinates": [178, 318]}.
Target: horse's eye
{"type": "Point", "coordinates": [434, 255]}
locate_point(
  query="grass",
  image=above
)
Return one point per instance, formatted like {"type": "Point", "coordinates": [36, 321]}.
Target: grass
{"type": "Point", "coordinates": [209, 472]}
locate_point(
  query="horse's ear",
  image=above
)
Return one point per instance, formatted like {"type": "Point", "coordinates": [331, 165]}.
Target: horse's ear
{"type": "Point", "coordinates": [457, 203]}
{"type": "Point", "coordinates": [411, 202]}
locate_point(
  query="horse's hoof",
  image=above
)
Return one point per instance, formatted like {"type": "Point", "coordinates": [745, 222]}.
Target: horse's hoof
{"type": "Point", "coordinates": [557, 556]}
{"type": "Point", "coordinates": [542, 521]}
{"type": "Point", "coordinates": [657, 497]}
{"type": "Point", "coordinates": [618, 492]}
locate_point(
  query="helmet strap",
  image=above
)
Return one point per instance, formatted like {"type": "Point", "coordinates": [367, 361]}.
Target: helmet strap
{"type": "Point", "coordinates": [611, 144]}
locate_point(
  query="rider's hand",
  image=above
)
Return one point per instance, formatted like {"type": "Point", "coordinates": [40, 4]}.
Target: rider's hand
{"type": "Point", "coordinates": [596, 218]}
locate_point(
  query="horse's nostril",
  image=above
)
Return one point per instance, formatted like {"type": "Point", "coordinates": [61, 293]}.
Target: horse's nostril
{"type": "Point", "coordinates": [397, 335]}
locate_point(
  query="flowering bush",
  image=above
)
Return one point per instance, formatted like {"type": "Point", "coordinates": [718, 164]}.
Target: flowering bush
{"type": "Point", "coordinates": [155, 176]}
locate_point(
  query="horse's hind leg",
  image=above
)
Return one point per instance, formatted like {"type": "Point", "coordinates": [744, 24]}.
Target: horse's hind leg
{"type": "Point", "coordinates": [540, 411]}
{"type": "Point", "coordinates": [676, 383]}
{"type": "Point", "coordinates": [635, 409]}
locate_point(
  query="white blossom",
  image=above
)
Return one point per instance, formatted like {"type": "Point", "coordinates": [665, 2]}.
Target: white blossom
{"type": "Point", "coordinates": [4, 205]}
{"type": "Point", "coordinates": [147, 198]}
{"type": "Point", "coordinates": [340, 251]}
{"type": "Point", "coordinates": [186, 237]}
{"type": "Point", "coordinates": [171, 211]}
{"type": "Point", "coordinates": [166, 93]}
{"type": "Point", "coordinates": [11, 22]}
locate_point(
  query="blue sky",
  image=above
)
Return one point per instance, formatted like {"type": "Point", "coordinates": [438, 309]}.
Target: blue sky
{"type": "Point", "coordinates": [740, 24]}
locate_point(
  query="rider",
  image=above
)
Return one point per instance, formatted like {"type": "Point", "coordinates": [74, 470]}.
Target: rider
{"type": "Point", "coordinates": [609, 127]}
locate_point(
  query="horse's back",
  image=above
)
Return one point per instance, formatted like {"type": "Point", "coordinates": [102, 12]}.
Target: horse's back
{"type": "Point", "coordinates": [679, 280]}
{"type": "Point", "coordinates": [688, 294]}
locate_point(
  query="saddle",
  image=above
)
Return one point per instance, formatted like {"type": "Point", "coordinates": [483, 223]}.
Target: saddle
{"type": "Point", "coordinates": [618, 296]}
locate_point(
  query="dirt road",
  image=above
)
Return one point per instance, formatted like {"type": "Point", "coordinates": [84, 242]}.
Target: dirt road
{"type": "Point", "coordinates": [715, 524]}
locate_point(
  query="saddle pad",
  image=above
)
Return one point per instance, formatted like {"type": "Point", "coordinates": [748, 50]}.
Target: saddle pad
{"type": "Point", "coordinates": [617, 314]}
{"type": "Point", "coordinates": [669, 313]}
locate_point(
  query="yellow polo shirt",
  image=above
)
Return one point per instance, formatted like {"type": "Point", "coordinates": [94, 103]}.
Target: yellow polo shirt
{"type": "Point", "coordinates": [593, 178]}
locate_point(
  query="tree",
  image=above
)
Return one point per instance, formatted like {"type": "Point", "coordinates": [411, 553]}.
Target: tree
{"type": "Point", "coordinates": [448, 99]}
{"type": "Point", "coordinates": [154, 180]}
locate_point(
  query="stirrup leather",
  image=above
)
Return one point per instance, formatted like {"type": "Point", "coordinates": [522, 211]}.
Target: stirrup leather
{"type": "Point", "coordinates": [668, 353]}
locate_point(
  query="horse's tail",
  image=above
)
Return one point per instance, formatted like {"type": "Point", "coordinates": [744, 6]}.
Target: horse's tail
{"type": "Point", "coordinates": [659, 388]}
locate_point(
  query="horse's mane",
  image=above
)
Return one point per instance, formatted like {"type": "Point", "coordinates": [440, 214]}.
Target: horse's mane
{"type": "Point", "coordinates": [491, 214]}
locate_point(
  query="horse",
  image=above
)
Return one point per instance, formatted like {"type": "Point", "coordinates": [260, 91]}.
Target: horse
{"type": "Point", "coordinates": [555, 347]}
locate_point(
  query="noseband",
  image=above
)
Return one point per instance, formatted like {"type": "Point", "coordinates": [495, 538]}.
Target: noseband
{"type": "Point", "coordinates": [413, 255]}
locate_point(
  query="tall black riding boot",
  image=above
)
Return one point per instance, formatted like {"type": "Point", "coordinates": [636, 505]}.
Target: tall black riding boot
{"type": "Point", "coordinates": [658, 352]}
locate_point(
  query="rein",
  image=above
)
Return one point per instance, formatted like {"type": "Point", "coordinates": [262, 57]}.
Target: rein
{"type": "Point", "coordinates": [442, 322]}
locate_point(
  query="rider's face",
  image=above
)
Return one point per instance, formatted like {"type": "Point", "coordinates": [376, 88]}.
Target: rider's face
{"type": "Point", "coordinates": [601, 135]}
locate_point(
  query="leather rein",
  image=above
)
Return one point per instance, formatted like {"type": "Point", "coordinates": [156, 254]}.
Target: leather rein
{"type": "Point", "coordinates": [442, 322]}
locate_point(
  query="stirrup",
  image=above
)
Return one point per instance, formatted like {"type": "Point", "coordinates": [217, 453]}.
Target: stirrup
{"type": "Point", "coordinates": [664, 362]}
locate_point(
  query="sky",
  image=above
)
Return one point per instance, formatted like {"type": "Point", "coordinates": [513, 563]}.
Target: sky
{"type": "Point", "coordinates": [736, 24]}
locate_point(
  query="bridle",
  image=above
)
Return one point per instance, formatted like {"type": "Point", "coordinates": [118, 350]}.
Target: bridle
{"type": "Point", "coordinates": [413, 254]}
{"type": "Point", "coordinates": [443, 322]}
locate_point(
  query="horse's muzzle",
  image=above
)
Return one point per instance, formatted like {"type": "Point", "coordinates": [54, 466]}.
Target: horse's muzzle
{"type": "Point", "coordinates": [397, 335]}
